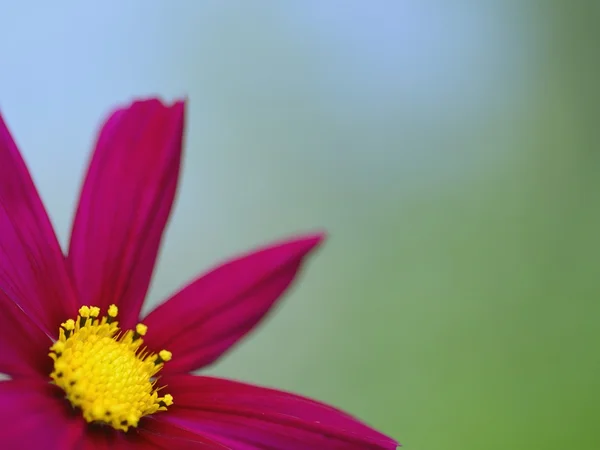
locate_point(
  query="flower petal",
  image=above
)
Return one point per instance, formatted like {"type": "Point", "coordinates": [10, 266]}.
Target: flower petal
{"type": "Point", "coordinates": [103, 439]}
{"type": "Point", "coordinates": [23, 346]}
{"type": "Point", "coordinates": [124, 205]}
{"type": "Point", "coordinates": [33, 416]}
{"type": "Point", "coordinates": [243, 416]}
{"type": "Point", "coordinates": [151, 434]}
{"type": "Point", "coordinates": [32, 268]}
{"type": "Point", "coordinates": [165, 435]}
{"type": "Point", "coordinates": [211, 314]}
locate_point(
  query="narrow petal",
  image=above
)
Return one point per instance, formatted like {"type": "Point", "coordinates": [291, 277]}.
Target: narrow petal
{"type": "Point", "coordinates": [167, 436]}
{"type": "Point", "coordinates": [151, 434]}
{"type": "Point", "coordinates": [211, 314]}
{"type": "Point", "coordinates": [23, 345]}
{"type": "Point", "coordinates": [247, 417]}
{"type": "Point", "coordinates": [33, 273]}
{"type": "Point", "coordinates": [102, 439]}
{"type": "Point", "coordinates": [34, 416]}
{"type": "Point", "coordinates": [124, 205]}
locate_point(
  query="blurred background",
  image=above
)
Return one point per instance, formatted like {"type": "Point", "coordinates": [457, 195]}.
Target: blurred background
{"type": "Point", "coordinates": [450, 149]}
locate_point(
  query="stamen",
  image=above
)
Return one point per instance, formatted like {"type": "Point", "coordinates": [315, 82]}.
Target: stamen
{"type": "Point", "coordinates": [162, 356]}
{"type": "Point", "coordinates": [112, 313]}
{"type": "Point", "coordinates": [140, 330]}
{"type": "Point", "coordinates": [105, 372]}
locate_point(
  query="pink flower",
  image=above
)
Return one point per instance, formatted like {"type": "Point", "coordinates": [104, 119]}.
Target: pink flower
{"type": "Point", "coordinates": [85, 371]}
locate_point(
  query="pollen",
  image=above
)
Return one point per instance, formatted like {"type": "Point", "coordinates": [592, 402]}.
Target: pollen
{"type": "Point", "coordinates": [106, 373]}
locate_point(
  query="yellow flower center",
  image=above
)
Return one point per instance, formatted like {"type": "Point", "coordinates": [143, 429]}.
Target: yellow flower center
{"type": "Point", "coordinates": [105, 372]}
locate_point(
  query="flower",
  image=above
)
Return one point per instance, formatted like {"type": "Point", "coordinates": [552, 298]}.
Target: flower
{"type": "Point", "coordinates": [84, 371]}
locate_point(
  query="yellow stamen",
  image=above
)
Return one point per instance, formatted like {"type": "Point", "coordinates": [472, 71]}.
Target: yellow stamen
{"type": "Point", "coordinates": [105, 372]}
{"type": "Point", "coordinates": [141, 329]}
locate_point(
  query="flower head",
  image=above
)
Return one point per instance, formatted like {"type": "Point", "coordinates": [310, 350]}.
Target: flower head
{"type": "Point", "coordinates": [86, 370]}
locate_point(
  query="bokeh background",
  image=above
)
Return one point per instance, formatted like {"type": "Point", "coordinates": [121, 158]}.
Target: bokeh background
{"type": "Point", "coordinates": [450, 149]}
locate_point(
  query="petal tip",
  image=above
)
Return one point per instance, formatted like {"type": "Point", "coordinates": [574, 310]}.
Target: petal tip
{"type": "Point", "coordinates": [392, 444]}
{"type": "Point", "coordinates": [315, 238]}
{"type": "Point", "coordinates": [308, 242]}
{"type": "Point", "coordinates": [178, 105]}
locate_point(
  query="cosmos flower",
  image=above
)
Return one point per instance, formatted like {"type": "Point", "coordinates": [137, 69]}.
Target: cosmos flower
{"type": "Point", "coordinates": [84, 371]}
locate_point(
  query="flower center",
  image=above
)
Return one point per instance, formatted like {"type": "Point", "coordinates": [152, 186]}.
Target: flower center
{"type": "Point", "coordinates": [105, 372]}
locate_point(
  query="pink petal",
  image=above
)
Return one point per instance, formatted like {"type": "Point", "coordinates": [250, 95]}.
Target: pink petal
{"type": "Point", "coordinates": [165, 435]}
{"type": "Point", "coordinates": [98, 440]}
{"type": "Point", "coordinates": [125, 204]}
{"type": "Point", "coordinates": [149, 440]}
{"type": "Point", "coordinates": [151, 434]}
{"type": "Point", "coordinates": [32, 268]}
{"type": "Point", "coordinates": [33, 416]}
{"type": "Point", "coordinates": [207, 317]}
{"type": "Point", "coordinates": [246, 417]}
{"type": "Point", "coordinates": [23, 346]}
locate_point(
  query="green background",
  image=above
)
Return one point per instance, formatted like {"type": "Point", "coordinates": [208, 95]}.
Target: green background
{"type": "Point", "coordinates": [449, 148]}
